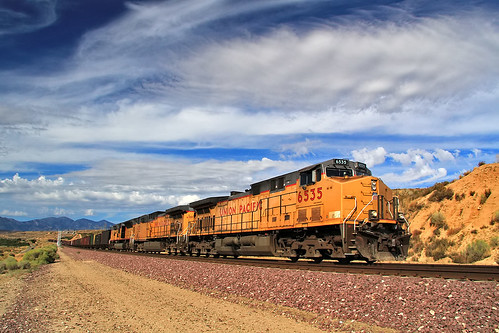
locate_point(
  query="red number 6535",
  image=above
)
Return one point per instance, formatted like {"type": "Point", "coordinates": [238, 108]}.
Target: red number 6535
{"type": "Point", "coordinates": [311, 195]}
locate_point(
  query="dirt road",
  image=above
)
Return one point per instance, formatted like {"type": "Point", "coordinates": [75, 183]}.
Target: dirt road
{"type": "Point", "coordinates": [85, 296]}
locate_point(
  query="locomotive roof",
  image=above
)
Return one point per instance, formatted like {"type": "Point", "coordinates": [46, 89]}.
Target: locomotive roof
{"type": "Point", "coordinates": [334, 163]}
{"type": "Point", "coordinates": [208, 202]}
{"type": "Point", "coordinates": [178, 209]}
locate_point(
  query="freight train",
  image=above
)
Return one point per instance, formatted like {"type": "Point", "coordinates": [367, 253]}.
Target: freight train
{"type": "Point", "coordinates": [330, 210]}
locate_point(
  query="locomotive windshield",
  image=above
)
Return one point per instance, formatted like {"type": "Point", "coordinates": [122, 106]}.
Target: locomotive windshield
{"type": "Point", "coordinates": [334, 172]}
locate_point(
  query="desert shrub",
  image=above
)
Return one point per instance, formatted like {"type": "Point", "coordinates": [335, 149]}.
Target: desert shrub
{"type": "Point", "coordinates": [13, 242]}
{"type": "Point", "coordinates": [485, 196]}
{"type": "Point", "coordinates": [465, 174]}
{"type": "Point", "coordinates": [481, 163]}
{"type": "Point", "coordinates": [495, 218]}
{"type": "Point", "coordinates": [41, 256]}
{"type": "Point", "coordinates": [441, 192]}
{"type": "Point", "coordinates": [459, 197]}
{"type": "Point", "coordinates": [458, 257]}
{"type": "Point", "coordinates": [414, 207]}
{"type": "Point", "coordinates": [10, 264]}
{"type": "Point", "coordinates": [416, 232]}
{"type": "Point", "coordinates": [472, 193]}
{"type": "Point", "coordinates": [477, 250]}
{"type": "Point", "coordinates": [437, 220]}
{"type": "Point", "coordinates": [415, 244]}
{"type": "Point", "coordinates": [23, 264]}
{"type": "Point", "coordinates": [437, 248]}
{"type": "Point", "coordinates": [474, 231]}
{"type": "Point", "coordinates": [494, 241]}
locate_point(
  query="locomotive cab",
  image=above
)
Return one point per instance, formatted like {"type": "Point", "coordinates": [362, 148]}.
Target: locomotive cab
{"type": "Point", "coordinates": [354, 214]}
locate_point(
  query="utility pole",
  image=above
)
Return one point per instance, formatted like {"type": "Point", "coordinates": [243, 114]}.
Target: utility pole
{"type": "Point", "coordinates": [59, 236]}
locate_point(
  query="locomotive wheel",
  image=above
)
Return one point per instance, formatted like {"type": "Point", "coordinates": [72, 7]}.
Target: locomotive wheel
{"type": "Point", "coordinates": [344, 261]}
{"type": "Point", "coordinates": [294, 259]}
{"type": "Point", "coordinates": [318, 260]}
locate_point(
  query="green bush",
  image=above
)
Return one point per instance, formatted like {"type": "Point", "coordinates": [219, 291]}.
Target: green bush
{"type": "Point", "coordinates": [458, 258]}
{"type": "Point", "coordinates": [11, 264]}
{"type": "Point", "coordinates": [31, 259]}
{"type": "Point", "coordinates": [475, 251]}
{"type": "Point", "coordinates": [437, 220]}
{"type": "Point", "coordinates": [23, 264]}
{"type": "Point", "coordinates": [13, 242]}
{"type": "Point", "coordinates": [441, 192]}
{"type": "Point", "coordinates": [485, 196]}
{"type": "Point", "coordinates": [437, 248]}
{"type": "Point", "coordinates": [495, 218]}
{"type": "Point", "coordinates": [41, 256]}
{"type": "Point", "coordinates": [415, 244]}
{"type": "Point", "coordinates": [494, 241]}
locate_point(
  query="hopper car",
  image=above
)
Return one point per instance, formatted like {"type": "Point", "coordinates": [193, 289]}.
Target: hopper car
{"type": "Point", "coordinates": [334, 209]}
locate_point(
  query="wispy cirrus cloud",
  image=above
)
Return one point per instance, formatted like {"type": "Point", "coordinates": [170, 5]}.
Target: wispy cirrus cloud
{"type": "Point", "coordinates": [23, 16]}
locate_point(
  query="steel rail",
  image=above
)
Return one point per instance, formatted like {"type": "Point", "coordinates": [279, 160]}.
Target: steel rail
{"type": "Point", "coordinates": [445, 271]}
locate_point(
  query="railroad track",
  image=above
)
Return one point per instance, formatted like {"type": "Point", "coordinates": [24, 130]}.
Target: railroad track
{"type": "Point", "coordinates": [446, 271]}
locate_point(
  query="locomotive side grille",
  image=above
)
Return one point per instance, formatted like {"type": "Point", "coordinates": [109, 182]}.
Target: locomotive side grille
{"type": "Point", "coordinates": [302, 215]}
{"type": "Point", "coordinates": [316, 214]}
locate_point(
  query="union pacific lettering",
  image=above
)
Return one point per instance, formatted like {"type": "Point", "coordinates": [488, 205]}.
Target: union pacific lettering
{"type": "Point", "coordinates": [239, 209]}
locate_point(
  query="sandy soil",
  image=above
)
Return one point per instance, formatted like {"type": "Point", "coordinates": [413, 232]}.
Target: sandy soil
{"type": "Point", "coordinates": [9, 287]}
{"type": "Point", "coordinates": [76, 296]}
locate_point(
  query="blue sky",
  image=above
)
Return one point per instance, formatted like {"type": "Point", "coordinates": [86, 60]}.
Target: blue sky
{"type": "Point", "coordinates": [113, 109]}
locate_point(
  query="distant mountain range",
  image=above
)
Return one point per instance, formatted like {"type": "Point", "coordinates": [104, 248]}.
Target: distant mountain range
{"type": "Point", "coordinates": [52, 223]}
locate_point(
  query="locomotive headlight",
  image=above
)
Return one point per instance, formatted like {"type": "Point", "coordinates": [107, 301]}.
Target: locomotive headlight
{"type": "Point", "coordinates": [373, 185]}
{"type": "Point", "coordinates": [373, 215]}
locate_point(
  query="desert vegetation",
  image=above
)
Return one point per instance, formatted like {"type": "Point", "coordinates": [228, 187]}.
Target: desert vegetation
{"type": "Point", "coordinates": [30, 260]}
{"type": "Point", "coordinates": [455, 221]}
{"type": "Point", "coordinates": [26, 251]}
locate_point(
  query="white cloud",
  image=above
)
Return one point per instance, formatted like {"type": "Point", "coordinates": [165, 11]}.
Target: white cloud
{"type": "Point", "coordinates": [139, 185]}
{"type": "Point", "coordinates": [443, 155]}
{"type": "Point", "coordinates": [27, 16]}
{"type": "Point", "coordinates": [370, 157]}
{"type": "Point", "coordinates": [7, 212]}
{"type": "Point", "coordinates": [17, 184]}
{"type": "Point", "coordinates": [431, 60]}
{"type": "Point", "coordinates": [419, 166]}
{"type": "Point", "coordinates": [62, 212]}
{"type": "Point", "coordinates": [299, 149]}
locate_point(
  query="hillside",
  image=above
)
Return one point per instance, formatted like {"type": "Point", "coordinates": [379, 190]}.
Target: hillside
{"type": "Point", "coordinates": [52, 223]}
{"type": "Point", "coordinates": [456, 221]}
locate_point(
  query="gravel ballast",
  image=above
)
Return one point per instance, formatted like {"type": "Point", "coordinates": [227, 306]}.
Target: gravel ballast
{"type": "Point", "coordinates": [407, 304]}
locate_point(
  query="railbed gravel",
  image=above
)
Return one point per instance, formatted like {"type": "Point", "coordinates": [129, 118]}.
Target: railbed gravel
{"type": "Point", "coordinates": [408, 304]}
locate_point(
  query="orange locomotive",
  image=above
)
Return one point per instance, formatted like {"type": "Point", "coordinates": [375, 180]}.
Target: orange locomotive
{"type": "Point", "coordinates": [333, 210]}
